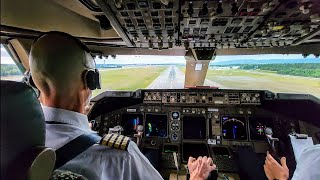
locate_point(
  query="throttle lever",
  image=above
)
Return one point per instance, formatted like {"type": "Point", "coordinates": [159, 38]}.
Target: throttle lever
{"type": "Point", "coordinates": [271, 141]}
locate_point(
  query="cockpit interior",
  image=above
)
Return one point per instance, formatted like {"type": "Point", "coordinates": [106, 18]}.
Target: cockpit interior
{"type": "Point", "coordinates": [171, 124]}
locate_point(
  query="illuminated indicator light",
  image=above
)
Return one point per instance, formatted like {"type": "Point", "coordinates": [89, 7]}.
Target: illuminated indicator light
{"type": "Point", "coordinates": [277, 28]}
{"type": "Point", "coordinates": [150, 127]}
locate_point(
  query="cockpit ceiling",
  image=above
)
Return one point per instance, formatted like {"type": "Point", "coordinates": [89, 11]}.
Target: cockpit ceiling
{"type": "Point", "coordinates": [146, 26]}
{"type": "Point", "coordinates": [54, 15]}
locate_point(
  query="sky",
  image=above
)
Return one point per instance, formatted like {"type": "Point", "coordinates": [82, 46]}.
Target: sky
{"type": "Point", "coordinates": [147, 59]}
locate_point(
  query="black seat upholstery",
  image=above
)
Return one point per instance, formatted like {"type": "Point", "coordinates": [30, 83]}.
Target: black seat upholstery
{"type": "Point", "coordinates": [23, 134]}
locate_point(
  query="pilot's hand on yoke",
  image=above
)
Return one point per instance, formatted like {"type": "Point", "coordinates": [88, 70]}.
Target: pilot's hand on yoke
{"type": "Point", "coordinates": [274, 170]}
{"type": "Point", "coordinates": [200, 168]}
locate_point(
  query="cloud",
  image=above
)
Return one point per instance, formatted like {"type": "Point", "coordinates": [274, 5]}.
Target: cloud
{"type": "Point", "coordinates": [4, 52]}
{"type": "Point", "coordinates": [6, 60]}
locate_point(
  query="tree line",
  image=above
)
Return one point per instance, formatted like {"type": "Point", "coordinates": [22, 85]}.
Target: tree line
{"type": "Point", "coordinates": [10, 70]}
{"type": "Point", "coordinates": [298, 69]}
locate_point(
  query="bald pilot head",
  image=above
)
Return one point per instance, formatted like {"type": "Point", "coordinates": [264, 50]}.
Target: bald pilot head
{"type": "Point", "coordinates": [58, 63]}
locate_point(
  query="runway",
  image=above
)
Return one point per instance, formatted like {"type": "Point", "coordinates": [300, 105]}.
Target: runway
{"type": "Point", "coordinates": [173, 78]}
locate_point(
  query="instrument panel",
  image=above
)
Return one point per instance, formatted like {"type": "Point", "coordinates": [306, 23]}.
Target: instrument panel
{"type": "Point", "coordinates": [195, 123]}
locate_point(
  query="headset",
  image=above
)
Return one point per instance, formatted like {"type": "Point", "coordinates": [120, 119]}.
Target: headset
{"type": "Point", "coordinates": [91, 76]}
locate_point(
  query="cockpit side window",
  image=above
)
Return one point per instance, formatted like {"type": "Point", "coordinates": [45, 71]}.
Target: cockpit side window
{"type": "Point", "coordinates": [9, 69]}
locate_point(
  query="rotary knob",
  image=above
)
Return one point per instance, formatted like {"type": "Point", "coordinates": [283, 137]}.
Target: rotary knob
{"type": "Point", "coordinates": [174, 137]}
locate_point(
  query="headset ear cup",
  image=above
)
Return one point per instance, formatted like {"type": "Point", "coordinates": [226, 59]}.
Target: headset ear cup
{"type": "Point", "coordinates": [97, 79]}
{"type": "Point", "coordinates": [90, 80]}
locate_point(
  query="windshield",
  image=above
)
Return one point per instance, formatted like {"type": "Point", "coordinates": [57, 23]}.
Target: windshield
{"type": "Point", "coordinates": [277, 73]}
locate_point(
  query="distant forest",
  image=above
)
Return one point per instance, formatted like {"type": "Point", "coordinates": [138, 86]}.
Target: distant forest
{"type": "Point", "coordinates": [10, 70]}
{"type": "Point", "coordinates": [297, 69]}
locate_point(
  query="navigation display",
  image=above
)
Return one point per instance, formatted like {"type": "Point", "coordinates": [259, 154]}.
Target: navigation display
{"type": "Point", "coordinates": [130, 123]}
{"type": "Point", "coordinates": [257, 125]}
{"type": "Point", "coordinates": [234, 128]}
{"type": "Point", "coordinates": [194, 127]}
{"type": "Point", "coordinates": [156, 125]}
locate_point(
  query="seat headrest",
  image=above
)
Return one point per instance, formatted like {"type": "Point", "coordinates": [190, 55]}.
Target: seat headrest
{"type": "Point", "coordinates": [22, 124]}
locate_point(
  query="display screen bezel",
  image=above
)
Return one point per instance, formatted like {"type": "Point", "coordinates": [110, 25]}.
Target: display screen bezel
{"type": "Point", "coordinates": [194, 116]}
{"type": "Point", "coordinates": [234, 116]}
{"type": "Point", "coordinates": [137, 114]}
{"type": "Point", "coordinates": [249, 124]}
{"type": "Point", "coordinates": [145, 125]}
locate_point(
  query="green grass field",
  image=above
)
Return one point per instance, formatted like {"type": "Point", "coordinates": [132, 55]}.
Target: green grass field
{"type": "Point", "coordinates": [128, 78]}
{"type": "Point", "coordinates": [243, 79]}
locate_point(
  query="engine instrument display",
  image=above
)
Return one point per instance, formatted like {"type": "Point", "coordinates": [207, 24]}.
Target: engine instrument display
{"type": "Point", "coordinates": [156, 125]}
{"type": "Point", "coordinates": [130, 123]}
{"type": "Point", "coordinates": [257, 125]}
{"type": "Point", "coordinates": [234, 128]}
{"type": "Point", "coordinates": [194, 127]}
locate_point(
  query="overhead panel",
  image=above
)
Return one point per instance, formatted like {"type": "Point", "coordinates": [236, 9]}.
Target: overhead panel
{"type": "Point", "coordinates": [165, 24]}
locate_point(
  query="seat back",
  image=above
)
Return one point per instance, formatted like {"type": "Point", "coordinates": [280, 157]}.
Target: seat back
{"type": "Point", "coordinates": [23, 152]}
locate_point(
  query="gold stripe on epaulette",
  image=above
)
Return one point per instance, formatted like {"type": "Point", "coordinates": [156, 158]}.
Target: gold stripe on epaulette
{"type": "Point", "coordinates": [125, 143]}
{"type": "Point", "coordinates": [118, 142]}
{"type": "Point", "coordinates": [112, 140]}
{"type": "Point", "coordinates": [106, 139]}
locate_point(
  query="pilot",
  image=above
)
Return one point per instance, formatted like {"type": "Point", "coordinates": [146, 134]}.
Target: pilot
{"type": "Point", "coordinates": [59, 64]}
{"type": "Point", "coordinates": [307, 168]}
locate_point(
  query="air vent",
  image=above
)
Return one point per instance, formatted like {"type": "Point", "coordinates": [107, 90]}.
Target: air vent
{"type": "Point", "coordinates": [104, 22]}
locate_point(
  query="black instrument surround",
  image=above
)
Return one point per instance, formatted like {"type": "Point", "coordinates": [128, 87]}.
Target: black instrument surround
{"type": "Point", "coordinates": [207, 122]}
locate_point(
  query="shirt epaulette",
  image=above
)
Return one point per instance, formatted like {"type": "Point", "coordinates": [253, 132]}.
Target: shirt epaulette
{"type": "Point", "coordinates": [115, 141]}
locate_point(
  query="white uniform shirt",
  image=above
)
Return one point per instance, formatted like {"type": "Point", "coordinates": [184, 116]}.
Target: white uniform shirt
{"type": "Point", "coordinates": [97, 162]}
{"type": "Point", "coordinates": [308, 166]}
